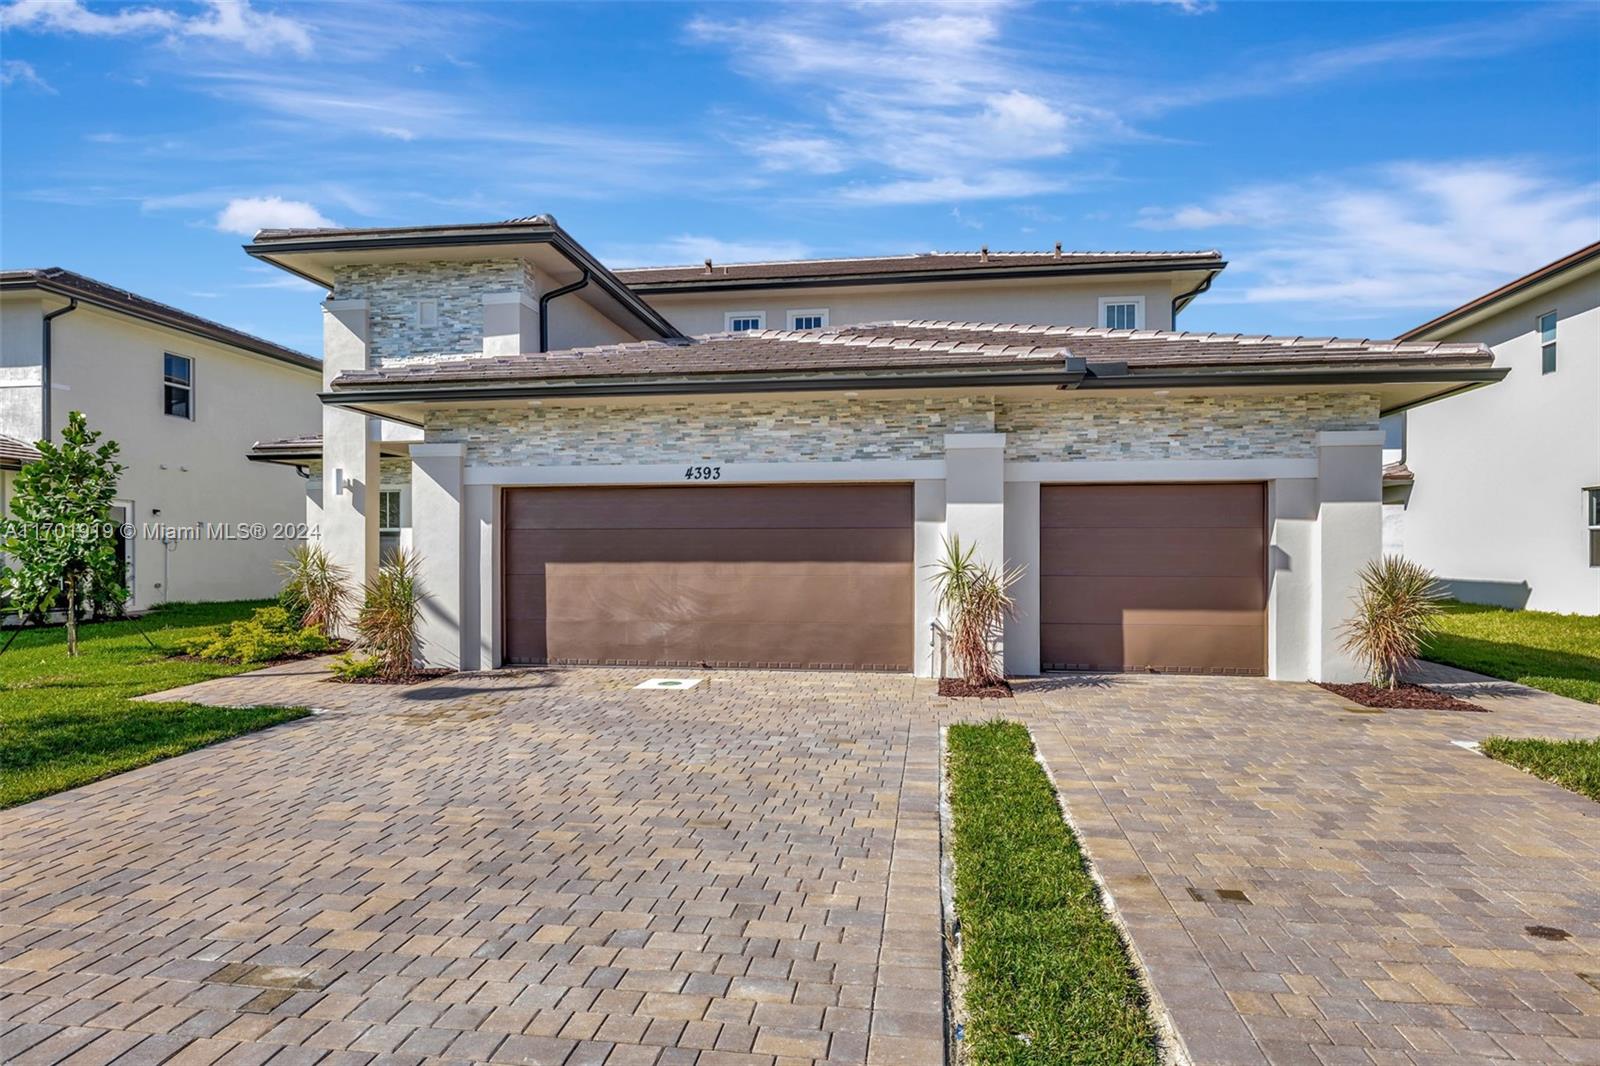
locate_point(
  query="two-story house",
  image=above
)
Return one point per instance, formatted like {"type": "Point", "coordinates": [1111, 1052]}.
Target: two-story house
{"type": "Point", "coordinates": [184, 397]}
{"type": "Point", "coordinates": [1499, 492]}
{"type": "Point", "coordinates": [586, 482]}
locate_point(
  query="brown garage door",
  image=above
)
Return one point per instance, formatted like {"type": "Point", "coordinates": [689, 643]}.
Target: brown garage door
{"type": "Point", "coordinates": [791, 575]}
{"type": "Point", "coordinates": [1153, 577]}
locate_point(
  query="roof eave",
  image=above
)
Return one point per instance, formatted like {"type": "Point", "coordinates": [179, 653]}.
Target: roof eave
{"type": "Point", "coordinates": [1489, 303]}
{"type": "Point", "coordinates": [984, 273]}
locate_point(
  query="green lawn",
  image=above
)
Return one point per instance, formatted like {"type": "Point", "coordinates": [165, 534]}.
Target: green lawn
{"type": "Point", "coordinates": [1556, 652]}
{"type": "Point", "coordinates": [1572, 764]}
{"type": "Point", "coordinates": [1047, 980]}
{"type": "Point", "coordinates": [65, 722]}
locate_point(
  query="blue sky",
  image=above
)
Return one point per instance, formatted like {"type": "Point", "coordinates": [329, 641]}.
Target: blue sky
{"type": "Point", "coordinates": [1362, 165]}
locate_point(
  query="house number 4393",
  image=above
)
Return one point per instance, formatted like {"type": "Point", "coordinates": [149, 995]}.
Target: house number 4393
{"type": "Point", "coordinates": [703, 473]}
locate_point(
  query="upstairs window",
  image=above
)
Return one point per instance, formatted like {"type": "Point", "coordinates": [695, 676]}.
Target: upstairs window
{"type": "Point", "coordinates": [1592, 500]}
{"type": "Point", "coordinates": [739, 321]}
{"type": "Point", "coordinates": [177, 386]}
{"type": "Point", "coordinates": [814, 318]}
{"type": "Point", "coordinates": [1547, 342]}
{"type": "Point", "coordinates": [1122, 312]}
{"type": "Point", "coordinates": [388, 523]}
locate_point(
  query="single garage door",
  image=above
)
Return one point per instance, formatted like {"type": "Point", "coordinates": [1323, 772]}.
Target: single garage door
{"type": "Point", "coordinates": [813, 576]}
{"type": "Point", "coordinates": [1153, 577]}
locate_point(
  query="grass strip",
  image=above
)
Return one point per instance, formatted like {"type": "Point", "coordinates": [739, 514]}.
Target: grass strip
{"type": "Point", "coordinates": [1047, 978]}
{"type": "Point", "coordinates": [1572, 764]}
{"type": "Point", "coordinates": [1558, 653]}
{"type": "Point", "coordinates": [66, 722]}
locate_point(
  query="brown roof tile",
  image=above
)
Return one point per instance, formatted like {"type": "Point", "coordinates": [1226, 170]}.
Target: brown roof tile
{"type": "Point", "coordinates": [926, 345]}
{"type": "Point", "coordinates": [15, 453]}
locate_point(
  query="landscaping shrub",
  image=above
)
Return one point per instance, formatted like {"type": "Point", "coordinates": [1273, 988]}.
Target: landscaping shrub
{"type": "Point", "coordinates": [387, 620]}
{"type": "Point", "coordinates": [1397, 609]}
{"type": "Point", "coordinates": [350, 667]}
{"type": "Point", "coordinates": [976, 599]}
{"type": "Point", "coordinates": [316, 590]}
{"type": "Point", "coordinates": [269, 633]}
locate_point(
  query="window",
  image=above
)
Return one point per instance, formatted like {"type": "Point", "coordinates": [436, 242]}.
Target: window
{"type": "Point", "coordinates": [813, 318]}
{"type": "Point", "coordinates": [1122, 312]}
{"type": "Point", "coordinates": [388, 523]}
{"type": "Point", "coordinates": [1547, 342]}
{"type": "Point", "coordinates": [1592, 499]}
{"type": "Point", "coordinates": [427, 313]}
{"type": "Point", "coordinates": [177, 386]}
{"type": "Point", "coordinates": [739, 321]}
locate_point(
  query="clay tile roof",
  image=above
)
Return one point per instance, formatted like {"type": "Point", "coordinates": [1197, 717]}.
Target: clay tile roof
{"type": "Point", "coordinates": [923, 345]}
{"type": "Point", "coordinates": [16, 453]}
{"type": "Point", "coordinates": [924, 263]}
{"type": "Point", "coordinates": [1397, 472]}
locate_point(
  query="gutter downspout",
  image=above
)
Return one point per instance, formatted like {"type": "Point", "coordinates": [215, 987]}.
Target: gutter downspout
{"type": "Point", "coordinates": [44, 367]}
{"type": "Point", "coordinates": [544, 307]}
{"type": "Point", "coordinates": [1180, 302]}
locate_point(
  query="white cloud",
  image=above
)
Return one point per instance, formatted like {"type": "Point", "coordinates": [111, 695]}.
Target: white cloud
{"type": "Point", "coordinates": [17, 72]}
{"type": "Point", "coordinates": [250, 214]}
{"type": "Point", "coordinates": [808, 155]}
{"type": "Point", "coordinates": [232, 22]}
{"type": "Point", "coordinates": [1400, 236]}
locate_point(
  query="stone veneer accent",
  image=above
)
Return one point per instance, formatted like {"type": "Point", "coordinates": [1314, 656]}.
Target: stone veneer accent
{"type": "Point", "coordinates": [841, 429]}
{"type": "Point", "coordinates": [393, 289]}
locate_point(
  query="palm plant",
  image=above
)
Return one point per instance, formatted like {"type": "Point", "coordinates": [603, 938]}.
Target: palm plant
{"type": "Point", "coordinates": [1396, 611]}
{"type": "Point", "coordinates": [390, 609]}
{"type": "Point", "coordinates": [976, 598]}
{"type": "Point", "coordinates": [315, 586]}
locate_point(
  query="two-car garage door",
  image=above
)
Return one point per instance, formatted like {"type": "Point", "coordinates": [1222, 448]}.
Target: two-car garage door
{"type": "Point", "coordinates": [769, 575]}
{"type": "Point", "coordinates": [1132, 577]}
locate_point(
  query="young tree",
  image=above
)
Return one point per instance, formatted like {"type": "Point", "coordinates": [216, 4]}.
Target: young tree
{"type": "Point", "coordinates": [60, 543]}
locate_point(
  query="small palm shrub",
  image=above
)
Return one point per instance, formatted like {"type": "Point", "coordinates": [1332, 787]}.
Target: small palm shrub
{"type": "Point", "coordinates": [976, 599]}
{"type": "Point", "coordinates": [315, 587]}
{"type": "Point", "coordinates": [269, 633]}
{"type": "Point", "coordinates": [386, 623]}
{"type": "Point", "coordinates": [1397, 609]}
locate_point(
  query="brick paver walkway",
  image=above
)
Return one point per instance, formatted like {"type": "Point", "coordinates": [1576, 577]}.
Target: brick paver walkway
{"type": "Point", "coordinates": [1389, 878]}
{"type": "Point", "coordinates": [550, 867]}
{"type": "Point", "coordinates": [523, 868]}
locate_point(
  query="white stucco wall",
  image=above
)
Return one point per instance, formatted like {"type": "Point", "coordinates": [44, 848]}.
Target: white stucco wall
{"type": "Point", "coordinates": [1497, 508]}
{"type": "Point", "coordinates": [1048, 301]}
{"type": "Point", "coordinates": [193, 471]}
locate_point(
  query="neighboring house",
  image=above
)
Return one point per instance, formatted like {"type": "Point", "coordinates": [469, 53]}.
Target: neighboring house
{"type": "Point", "coordinates": [1498, 492]}
{"type": "Point", "coordinates": [768, 496]}
{"type": "Point", "coordinates": [185, 398]}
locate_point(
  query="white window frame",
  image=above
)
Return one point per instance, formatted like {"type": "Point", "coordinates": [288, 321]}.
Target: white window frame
{"type": "Point", "coordinates": [1591, 505]}
{"type": "Point", "coordinates": [189, 385]}
{"type": "Point", "coordinates": [1138, 309]}
{"type": "Point", "coordinates": [427, 316]}
{"type": "Point", "coordinates": [807, 312]}
{"type": "Point", "coordinates": [728, 319]}
{"type": "Point", "coordinates": [1554, 344]}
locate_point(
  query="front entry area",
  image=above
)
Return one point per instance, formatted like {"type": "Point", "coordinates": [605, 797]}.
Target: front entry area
{"type": "Point", "coordinates": [795, 576]}
{"type": "Point", "coordinates": [1169, 578]}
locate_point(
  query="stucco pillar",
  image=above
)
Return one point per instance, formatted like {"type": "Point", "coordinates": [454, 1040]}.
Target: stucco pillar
{"type": "Point", "coordinates": [510, 323]}
{"type": "Point", "coordinates": [349, 449]}
{"type": "Point", "coordinates": [927, 503]}
{"type": "Point", "coordinates": [1349, 535]}
{"type": "Point", "coordinates": [438, 530]}
{"type": "Point", "coordinates": [974, 495]}
{"type": "Point", "coordinates": [1022, 551]}
{"type": "Point", "coordinates": [480, 638]}
{"type": "Point", "coordinates": [1293, 568]}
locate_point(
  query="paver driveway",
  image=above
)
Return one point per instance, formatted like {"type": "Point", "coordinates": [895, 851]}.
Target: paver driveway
{"type": "Point", "coordinates": [550, 867]}
{"type": "Point", "coordinates": [537, 868]}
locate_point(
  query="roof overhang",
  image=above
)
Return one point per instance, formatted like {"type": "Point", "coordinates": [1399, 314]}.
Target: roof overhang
{"type": "Point", "coordinates": [1529, 286]}
{"type": "Point", "coordinates": [313, 255]}
{"type": "Point", "coordinates": [1397, 389]}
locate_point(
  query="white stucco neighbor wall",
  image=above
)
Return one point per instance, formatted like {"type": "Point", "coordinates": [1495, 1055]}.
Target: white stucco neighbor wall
{"type": "Point", "coordinates": [1497, 507]}
{"type": "Point", "coordinates": [1070, 301]}
{"type": "Point", "coordinates": [193, 472]}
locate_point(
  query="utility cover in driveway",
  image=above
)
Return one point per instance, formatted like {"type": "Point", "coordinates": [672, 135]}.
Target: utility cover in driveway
{"type": "Point", "coordinates": [772, 575]}
{"type": "Point", "coordinates": [1153, 577]}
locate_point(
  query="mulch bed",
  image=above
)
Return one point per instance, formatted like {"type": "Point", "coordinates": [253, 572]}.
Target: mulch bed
{"type": "Point", "coordinates": [1405, 697]}
{"type": "Point", "coordinates": [416, 677]}
{"type": "Point", "coordinates": [956, 686]}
